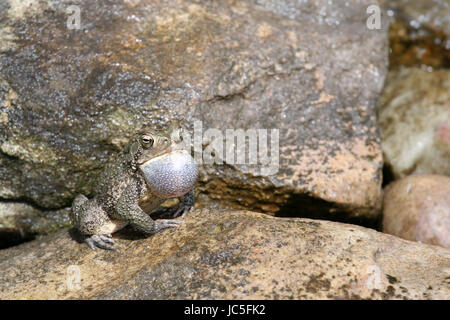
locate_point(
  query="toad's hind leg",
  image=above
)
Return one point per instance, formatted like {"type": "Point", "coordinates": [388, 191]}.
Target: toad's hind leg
{"type": "Point", "coordinates": [94, 223]}
{"type": "Point", "coordinates": [76, 212]}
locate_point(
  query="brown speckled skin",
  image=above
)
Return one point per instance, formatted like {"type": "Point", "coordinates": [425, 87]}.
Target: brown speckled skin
{"type": "Point", "coordinates": [120, 188]}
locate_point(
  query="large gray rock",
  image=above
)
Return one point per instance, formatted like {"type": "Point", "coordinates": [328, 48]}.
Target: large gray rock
{"type": "Point", "coordinates": [230, 255]}
{"type": "Point", "coordinates": [70, 98]}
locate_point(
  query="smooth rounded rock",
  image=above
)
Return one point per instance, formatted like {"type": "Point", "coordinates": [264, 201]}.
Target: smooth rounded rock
{"type": "Point", "coordinates": [418, 208]}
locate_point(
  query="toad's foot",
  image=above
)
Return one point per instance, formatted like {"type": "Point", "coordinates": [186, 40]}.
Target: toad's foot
{"type": "Point", "coordinates": [164, 224]}
{"type": "Point", "coordinates": [102, 241]}
{"type": "Point", "coordinates": [179, 210]}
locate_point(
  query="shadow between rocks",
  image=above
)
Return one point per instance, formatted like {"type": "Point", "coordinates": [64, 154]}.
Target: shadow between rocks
{"type": "Point", "coordinates": [127, 233]}
{"type": "Point", "coordinates": [305, 206]}
{"type": "Point", "coordinates": [11, 238]}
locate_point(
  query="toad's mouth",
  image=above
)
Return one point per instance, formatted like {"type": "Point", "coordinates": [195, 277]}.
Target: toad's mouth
{"type": "Point", "coordinates": [149, 157]}
{"type": "Point", "coordinates": [170, 175]}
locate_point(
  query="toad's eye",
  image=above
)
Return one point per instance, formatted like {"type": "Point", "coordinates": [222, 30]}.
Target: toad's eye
{"type": "Point", "coordinates": [147, 141]}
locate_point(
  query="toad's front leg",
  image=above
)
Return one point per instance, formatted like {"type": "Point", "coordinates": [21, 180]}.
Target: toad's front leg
{"type": "Point", "coordinates": [129, 210]}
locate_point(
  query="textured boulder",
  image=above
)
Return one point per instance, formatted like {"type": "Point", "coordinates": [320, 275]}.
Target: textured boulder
{"type": "Point", "coordinates": [20, 222]}
{"type": "Point", "coordinates": [70, 98]}
{"type": "Point", "coordinates": [230, 255]}
{"type": "Point", "coordinates": [418, 208]}
{"type": "Point", "coordinates": [414, 120]}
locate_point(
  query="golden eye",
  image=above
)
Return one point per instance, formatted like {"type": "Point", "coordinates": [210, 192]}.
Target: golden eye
{"type": "Point", "coordinates": [147, 141]}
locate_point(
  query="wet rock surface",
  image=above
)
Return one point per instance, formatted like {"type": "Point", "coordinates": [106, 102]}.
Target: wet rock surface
{"type": "Point", "coordinates": [228, 255]}
{"type": "Point", "coordinates": [429, 14]}
{"type": "Point", "coordinates": [419, 33]}
{"type": "Point", "coordinates": [418, 208]}
{"type": "Point", "coordinates": [414, 120]}
{"type": "Point", "coordinates": [70, 99]}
